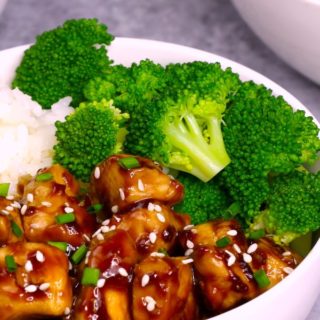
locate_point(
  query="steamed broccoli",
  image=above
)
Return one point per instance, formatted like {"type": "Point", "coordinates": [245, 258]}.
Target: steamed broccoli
{"type": "Point", "coordinates": [264, 137]}
{"type": "Point", "coordinates": [292, 208]}
{"type": "Point", "coordinates": [63, 60]}
{"type": "Point", "coordinates": [203, 201]}
{"type": "Point", "coordinates": [93, 132]}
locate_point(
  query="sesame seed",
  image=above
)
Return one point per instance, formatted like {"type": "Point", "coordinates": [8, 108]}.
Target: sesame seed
{"type": "Point", "coordinates": [188, 252]}
{"type": "Point", "coordinates": [24, 209]}
{"type": "Point", "coordinates": [105, 229]}
{"type": "Point", "coordinates": [68, 210]}
{"type": "Point", "coordinates": [231, 259]}
{"type": "Point", "coordinates": [28, 266]}
{"type": "Point", "coordinates": [188, 227]}
{"type": "Point", "coordinates": [252, 248]}
{"type": "Point", "coordinates": [40, 256]}
{"type": "Point", "coordinates": [70, 266]}
{"type": "Point", "coordinates": [150, 206]}
{"type": "Point", "coordinates": [157, 254]}
{"type": "Point", "coordinates": [5, 212]}
{"type": "Point", "coordinates": [118, 219]}
{"type": "Point", "coordinates": [149, 302]}
{"type": "Point", "coordinates": [140, 185]}
{"type": "Point", "coordinates": [121, 192]}
{"type": "Point", "coordinates": [161, 217]}
{"type": "Point", "coordinates": [87, 238]}
{"type": "Point", "coordinates": [100, 236]}
{"type": "Point", "coordinates": [106, 222]}
{"type": "Point", "coordinates": [236, 248]}
{"type": "Point", "coordinates": [9, 197]}
{"type": "Point", "coordinates": [44, 286]}
{"type": "Point", "coordinates": [67, 311]}
{"type": "Point", "coordinates": [9, 208]}
{"type": "Point", "coordinates": [16, 204]}
{"type": "Point", "coordinates": [30, 288]}
{"type": "Point", "coordinates": [286, 253]}
{"type": "Point", "coordinates": [232, 233]}
{"type": "Point", "coordinates": [194, 231]}
{"type": "Point", "coordinates": [123, 272]}
{"type": "Point", "coordinates": [67, 204]}
{"type": "Point", "coordinates": [247, 258]}
{"type": "Point", "coordinates": [145, 280]}
{"type": "Point", "coordinates": [152, 237]}
{"type": "Point", "coordinates": [96, 233]}
{"type": "Point", "coordinates": [101, 282]}
{"type": "Point", "coordinates": [190, 244]}
{"type": "Point", "coordinates": [112, 228]}
{"type": "Point", "coordinates": [115, 209]}
{"type": "Point", "coordinates": [187, 261]}
{"type": "Point", "coordinates": [30, 197]}
{"type": "Point", "coordinates": [46, 204]}
{"type": "Point", "coordinates": [157, 208]}
{"type": "Point", "coordinates": [97, 172]}
{"type": "Point", "coordinates": [287, 270]}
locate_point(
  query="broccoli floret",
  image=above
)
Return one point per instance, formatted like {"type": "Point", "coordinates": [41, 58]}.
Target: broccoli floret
{"type": "Point", "coordinates": [63, 60]}
{"type": "Point", "coordinates": [202, 201]}
{"type": "Point", "coordinates": [93, 132]}
{"type": "Point", "coordinates": [182, 129]}
{"type": "Point", "coordinates": [264, 137]}
{"type": "Point", "coordinates": [292, 208]}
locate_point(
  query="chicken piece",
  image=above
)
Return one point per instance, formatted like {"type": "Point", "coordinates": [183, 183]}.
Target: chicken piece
{"type": "Point", "coordinates": [52, 195]}
{"type": "Point", "coordinates": [39, 286]}
{"type": "Point", "coordinates": [121, 189]}
{"type": "Point", "coordinates": [10, 222]}
{"type": "Point", "coordinates": [275, 260]}
{"type": "Point", "coordinates": [163, 289]}
{"type": "Point", "coordinates": [222, 271]}
{"type": "Point", "coordinates": [115, 257]}
{"type": "Point", "coordinates": [152, 228]}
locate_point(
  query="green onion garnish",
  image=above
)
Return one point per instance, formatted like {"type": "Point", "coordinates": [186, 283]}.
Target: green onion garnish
{"type": "Point", "coordinates": [17, 231]}
{"type": "Point", "coordinates": [129, 163]}
{"type": "Point", "coordinates": [261, 278]}
{"type": "Point", "coordinates": [65, 218]}
{"type": "Point", "coordinates": [256, 234]}
{"type": "Point", "coordinates": [60, 245]}
{"type": "Point", "coordinates": [47, 176]}
{"type": "Point", "coordinates": [79, 254]}
{"type": "Point", "coordinates": [4, 189]}
{"type": "Point", "coordinates": [223, 242]}
{"type": "Point", "coordinates": [95, 208]}
{"type": "Point", "coordinates": [10, 263]}
{"type": "Point", "coordinates": [163, 251]}
{"type": "Point", "coordinates": [90, 276]}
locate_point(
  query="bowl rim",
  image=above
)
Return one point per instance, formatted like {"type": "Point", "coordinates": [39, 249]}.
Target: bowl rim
{"type": "Point", "coordinates": [161, 49]}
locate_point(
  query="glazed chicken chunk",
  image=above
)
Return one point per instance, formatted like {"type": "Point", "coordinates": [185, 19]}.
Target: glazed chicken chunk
{"type": "Point", "coordinates": [120, 187]}
{"type": "Point", "coordinates": [34, 281]}
{"type": "Point", "coordinates": [163, 289]}
{"type": "Point", "coordinates": [51, 210]}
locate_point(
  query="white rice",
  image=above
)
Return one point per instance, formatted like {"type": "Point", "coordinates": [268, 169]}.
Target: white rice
{"type": "Point", "coordinates": [27, 134]}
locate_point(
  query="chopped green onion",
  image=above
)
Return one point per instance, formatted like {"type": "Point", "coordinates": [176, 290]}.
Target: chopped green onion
{"type": "Point", "coordinates": [95, 208]}
{"type": "Point", "coordinates": [223, 242]}
{"type": "Point", "coordinates": [4, 189]}
{"type": "Point", "coordinates": [79, 254]}
{"type": "Point", "coordinates": [256, 234]}
{"type": "Point", "coordinates": [16, 229]}
{"type": "Point", "coordinates": [60, 245]}
{"type": "Point", "coordinates": [65, 218]}
{"type": "Point", "coordinates": [163, 251]}
{"type": "Point", "coordinates": [10, 263]}
{"type": "Point", "coordinates": [261, 278]}
{"type": "Point", "coordinates": [90, 276]}
{"type": "Point", "coordinates": [234, 209]}
{"type": "Point", "coordinates": [129, 163]}
{"type": "Point", "coordinates": [47, 176]}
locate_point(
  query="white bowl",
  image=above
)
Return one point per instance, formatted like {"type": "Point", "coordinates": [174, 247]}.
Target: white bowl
{"type": "Point", "coordinates": [291, 299]}
{"type": "Point", "coordinates": [290, 28]}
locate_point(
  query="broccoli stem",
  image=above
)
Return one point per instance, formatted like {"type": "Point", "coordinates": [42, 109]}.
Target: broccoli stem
{"type": "Point", "coordinates": [207, 159]}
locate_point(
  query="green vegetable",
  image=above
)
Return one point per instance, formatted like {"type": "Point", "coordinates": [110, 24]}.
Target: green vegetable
{"type": "Point", "coordinates": [292, 207]}
{"type": "Point", "coordinates": [129, 163]}
{"type": "Point", "coordinates": [4, 189]}
{"type": "Point", "coordinates": [60, 245]}
{"type": "Point", "coordinates": [10, 263]}
{"type": "Point", "coordinates": [65, 218]}
{"type": "Point", "coordinates": [264, 137]}
{"type": "Point", "coordinates": [47, 176]}
{"type": "Point", "coordinates": [63, 60]}
{"type": "Point", "coordinates": [89, 135]}
{"type": "Point", "coordinates": [261, 278]}
{"type": "Point", "coordinates": [95, 208]}
{"type": "Point", "coordinates": [90, 276]}
{"type": "Point", "coordinates": [223, 242]}
{"type": "Point", "coordinates": [17, 231]}
{"type": "Point", "coordinates": [202, 201]}
{"type": "Point", "coordinates": [79, 254]}
{"type": "Point", "coordinates": [256, 234]}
